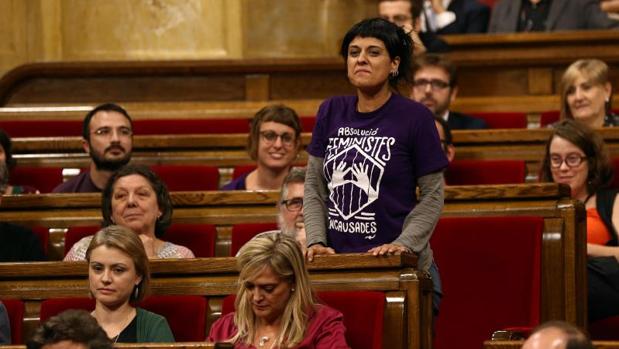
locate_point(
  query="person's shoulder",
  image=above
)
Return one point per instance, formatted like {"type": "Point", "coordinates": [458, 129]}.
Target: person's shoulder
{"type": "Point", "coordinates": [338, 102]}
{"type": "Point", "coordinates": [237, 183]}
{"type": "Point", "coordinates": [171, 250]}
{"type": "Point", "coordinates": [74, 184]}
{"type": "Point", "coordinates": [149, 315]}
{"type": "Point", "coordinates": [467, 121]}
{"type": "Point", "coordinates": [223, 328]}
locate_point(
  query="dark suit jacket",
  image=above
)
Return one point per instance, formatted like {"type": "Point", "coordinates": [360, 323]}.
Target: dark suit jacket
{"type": "Point", "coordinates": [563, 15]}
{"type": "Point", "coordinates": [471, 17]}
{"type": "Point", "coordinates": [433, 43]}
{"type": "Point", "coordinates": [459, 121]}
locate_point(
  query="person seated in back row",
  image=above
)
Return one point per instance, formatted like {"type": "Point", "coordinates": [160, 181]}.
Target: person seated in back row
{"type": "Point", "coordinates": [274, 143]}
{"type": "Point", "coordinates": [511, 16]}
{"type": "Point", "coordinates": [107, 137]}
{"type": "Point", "coordinates": [557, 335]}
{"type": "Point", "coordinates": [7, 162]}
{"type": "Point", "coordinates": [435, 85]}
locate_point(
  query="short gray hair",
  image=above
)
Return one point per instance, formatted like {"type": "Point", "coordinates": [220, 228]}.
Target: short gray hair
{"type": "Point", "coordinates": [296, 175]}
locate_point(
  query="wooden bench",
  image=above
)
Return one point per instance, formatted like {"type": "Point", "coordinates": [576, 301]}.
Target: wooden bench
{"type": "Point", "coordinates": [185, 345]}
{"type": "Point", "coordinates": [518, 344]}
{"type": "Point", "coordinates": [227, 151]}
{"type": "Point", "coordinates": [407, 322]}
{"type": "Point", "coordinates": [563, 247]}
{"type": "Point", "coordinates": [509, 65]}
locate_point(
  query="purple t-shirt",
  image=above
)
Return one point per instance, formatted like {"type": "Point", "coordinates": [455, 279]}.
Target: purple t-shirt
{"type": "Point", "coordinates": [82, 183]}
{"type": "Point", "coordinates": [238, 183]}
{"type": "Point", "coordinates": [371, 165]}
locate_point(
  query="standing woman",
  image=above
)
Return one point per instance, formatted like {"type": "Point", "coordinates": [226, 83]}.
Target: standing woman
{"type": "Point", "coordinates": [118, 276]}
{"type": "Point", "coordinates": [586, 94]}
{"type": "Point", "coordinates": [369, 152]}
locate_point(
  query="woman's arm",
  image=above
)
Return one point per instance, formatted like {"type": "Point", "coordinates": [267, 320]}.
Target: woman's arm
{"type": "Point", "coordinates": [314, 209]}
{"type": "Point", "coordinates": [420, 222]}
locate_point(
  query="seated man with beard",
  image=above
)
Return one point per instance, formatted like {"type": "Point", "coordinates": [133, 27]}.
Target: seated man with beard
{"type": "Point", "coordinates": [108, 139]}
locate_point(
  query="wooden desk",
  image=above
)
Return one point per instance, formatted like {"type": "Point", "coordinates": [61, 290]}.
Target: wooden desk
{"type": "Point", "coordinates": [408, 316]}
{"type": "Point", "coordinates": [563, 246]}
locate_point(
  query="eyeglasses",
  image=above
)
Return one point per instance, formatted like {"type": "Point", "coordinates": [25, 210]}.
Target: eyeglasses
{"type": "Point", "coordinates": [572, 160]}
{"type": "Point", "coordinates": [270, 137]}
{"type": "Point", "coordinates": [293, 204]}
{"type": "Point", "coordinates": [421, 84]}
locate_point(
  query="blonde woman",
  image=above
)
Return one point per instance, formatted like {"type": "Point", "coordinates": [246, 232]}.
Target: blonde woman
{"type": "Point", "coordinates": [275, 306]}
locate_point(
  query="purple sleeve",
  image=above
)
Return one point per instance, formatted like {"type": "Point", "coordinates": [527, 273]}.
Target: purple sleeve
{"type": "Point", "coordinates": [318, 144]}
{"type": "Point", "coordinates": [427, 151]}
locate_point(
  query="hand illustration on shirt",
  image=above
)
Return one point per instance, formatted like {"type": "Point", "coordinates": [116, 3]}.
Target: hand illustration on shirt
{"type": "Point", "coordinates": [337, 178]}
{"type": "Point", "coordinates": [362, 180]}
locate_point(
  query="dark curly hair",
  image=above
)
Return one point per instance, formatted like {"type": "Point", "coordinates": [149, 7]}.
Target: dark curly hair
{"type": "Point", "coordinates": [77, 326]}
{"type": "Point", "coordinates": [397, 42]}
{"type": "Point", "coordinates": [600, 169]}
{"type": "Point", "coordinates": [159, 187]}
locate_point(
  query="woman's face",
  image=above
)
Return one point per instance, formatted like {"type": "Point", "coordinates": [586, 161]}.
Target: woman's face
{"type": "Point", "coordinates": [572, 168]}
{"type": "Point", "coordinates": [587, 100]}
{"type": "Point", "coordinates": [368, 63]}
{"type": "Point", "coordinates": [277, 145]}
{"type": "Point", "coordinates": [134, 204]}
{"type": "Point", "coordinates": [268, 294]}
{"type": "Point", "coordinates": [111, 276]}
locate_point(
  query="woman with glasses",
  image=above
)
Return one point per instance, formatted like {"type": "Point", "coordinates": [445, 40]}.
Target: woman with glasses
{"type": "Point", "coordinates": [368, 154]}
{"type": "Point", "coordinates": [575, 155]}
{"type": "Point", "coordinates": [586, 94]}
{"type": "Point", "coordinates": [274, 143]}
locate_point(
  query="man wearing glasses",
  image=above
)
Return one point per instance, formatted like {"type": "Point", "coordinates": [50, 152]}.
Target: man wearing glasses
{"type": "Point", "coordinates": [290, 217]}
{"type": "Point", "coordinates": [435, 86]}
{"type": "Point", "coordinates": [107, 134]}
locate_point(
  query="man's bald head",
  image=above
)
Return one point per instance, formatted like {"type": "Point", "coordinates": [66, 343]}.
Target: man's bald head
{"type": "Point", "coordinates": [557, 335]}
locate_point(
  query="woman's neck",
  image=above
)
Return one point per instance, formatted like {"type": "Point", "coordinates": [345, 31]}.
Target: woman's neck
{"type": "Point", "coordinates": [114, 320]}
{"type": "Point", "coordinates": [581, 195]}
{"type": "Point", "coordinates": [594, 122]}
{"type": "Point", "coordinates": [372, 100]}
{"type": "Point", "coordinates": [263, 178]}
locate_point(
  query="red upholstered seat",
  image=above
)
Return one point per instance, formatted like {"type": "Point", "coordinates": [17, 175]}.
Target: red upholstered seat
{"type": "Point", "coordinates": [240, 170]}
{"type": "Point", "coordinates": [189, 126]}
{"type": "Point", "coordinates": [549, 117]}
{"type": "Point", "coordinates": [45, 179]}
{"type": "Point", "coordinates": [75, 234]}
{"type": "Point", "coordinates": [308, 123]}
{"type": "Point", "coordinates": [186, 315]}
{"type": "Point", "coordinates": [15, 310]}
{"type": "Point", "coordinates": [490, 269]}
{"type": "Point", "coordinates": [199, 238]}
{"type": "Point", "coordinates": [188, 177]}
{"type": "Point", "coordinates": [605, 329]}
{"type": "Point", "coordinates": [503, 119]}
{"type": "Point", "coordinates": [363, 315]}
{"type": "Point", "coordinates": [475, 172]}
{"type": "Point", "coordinates": [241, 233]}
{"type": "Point", "coordinates": [43, 128]}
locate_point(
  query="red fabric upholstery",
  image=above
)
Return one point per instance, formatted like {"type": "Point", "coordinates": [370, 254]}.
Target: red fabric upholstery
{"type": "Point", "coordinates": [190, 126]}
{"type": "Point", "coordinates": [308, 123]}
{"type": "Point", "coordinates": [490, 269]}
{"type": "Point", "coordinates": [45, 179]}
{"type": "Point", "coordinates": [75, 234]}
{"type": "Point", "coordinates": [43, 234]}
{"type": "Point", "coordinates": [503, 119]}
{"type": "Point", "coordinates": [605, 329]}
{"type": "Point", "coordinates": [490, 3]}
{"type": "Point", "coordinates": [549, 117]}
{"type": "Point", "coordinates": [240, 170]}
{"type": "Point", "coordinates": [43, 128]}
{"type": "Point", "coordinates": [199, 238]}
{"type": "Point", "coordinates": [475, 172]}
{"type": "Point", "coordinates": [188, 177]}
{"type": "Point", "coordinates": [54, 306]}
{"type": "Point", "coordinates": [15, 310]}
{"type": "Point", "coordinates": [186, 315]}
{"type": "Point", "coordinates": [241, 233]}
{"type": "Point", "coordinates": [363, 315]}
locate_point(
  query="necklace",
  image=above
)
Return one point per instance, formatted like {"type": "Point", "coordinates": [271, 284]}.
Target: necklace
{"type": "Point", "coordinates": [263, 341]}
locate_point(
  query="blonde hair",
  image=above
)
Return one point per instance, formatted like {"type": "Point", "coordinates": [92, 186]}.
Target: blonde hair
{"type": "Point", "coordinates": [125, 240]}
{"type": "Point", "coordinates": [593, 70]}
{"type": "Point", "coordinates": [283, 255]}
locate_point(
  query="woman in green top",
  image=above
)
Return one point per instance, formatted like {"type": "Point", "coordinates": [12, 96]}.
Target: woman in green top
{"type": "Point", "coordinates": [118, 276]}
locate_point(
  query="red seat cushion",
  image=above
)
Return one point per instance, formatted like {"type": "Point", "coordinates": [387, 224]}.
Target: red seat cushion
{"type": "Point", "coordinates": [476, 172]}
{"type": "Point", "coordinates": [503, 119]}
{"type": "Point", "coordinates": [549, 117]}
{"type": "Point", "coordinates": [199, 238]}
{"type": "Point", "coordinates": [43, 128]}
{"type": "Point", "coordinates": [54, 306]}
{"type": "Point", "coordinates": [241, 233]}
{"type": "Point", "coordinates": [605, 329]}
{"type": "Point", "coordinates": [240, 170]}
{"type": "Point", "coordinates": [490, 269]}
{"type": "Point", "coordinates": [363, 315]}
{"type": "Point", "coordinates": [188, 177]}
{"type": "Point", "coordinates": [15, 310]}
{"type": "Point", "coordinates": [45, 179]}
{"type": "Point", "coordinates": [186, 315]}
{"type": "Point", "coordinates": [189, 126]}
{"type": "Point", "coordinates": [75, 234]}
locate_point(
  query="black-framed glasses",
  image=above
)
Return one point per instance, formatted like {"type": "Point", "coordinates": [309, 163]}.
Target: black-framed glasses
{"type": "Point", "coordinates": [436, 84]}
{"type": "Point", "coordinates": [271, 137]}
{"type": "Point", "coordinates": [293, 204]}
{"type": "Point", "coordinates": [572, 160]}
